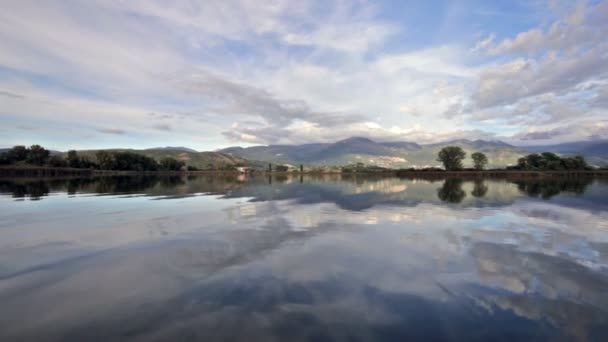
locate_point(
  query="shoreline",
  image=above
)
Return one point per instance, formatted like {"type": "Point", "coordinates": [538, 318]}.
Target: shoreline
{"type": "Point", "coordinates": [43, 172]}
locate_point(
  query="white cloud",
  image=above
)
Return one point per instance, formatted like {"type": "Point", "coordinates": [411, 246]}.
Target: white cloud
{"type": "Point", "coordinates": [543, 77]}
{"type": "Point", "coordinates": [288, 72]}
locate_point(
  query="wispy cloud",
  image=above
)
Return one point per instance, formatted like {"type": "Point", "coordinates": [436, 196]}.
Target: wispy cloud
{"type": "Point", "coordinates": [111, 131]}
{"type": "Point", "coordinates": [163, 127]}
{"type": "Point", "coordinates": [11, 95]}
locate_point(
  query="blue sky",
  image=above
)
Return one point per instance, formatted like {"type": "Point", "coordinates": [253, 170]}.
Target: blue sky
{"type": "Point", "coordinates": [212, 74]}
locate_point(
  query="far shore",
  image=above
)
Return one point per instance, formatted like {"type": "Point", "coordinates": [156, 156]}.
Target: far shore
{"type": "Point", "coordinates": [63, 172]}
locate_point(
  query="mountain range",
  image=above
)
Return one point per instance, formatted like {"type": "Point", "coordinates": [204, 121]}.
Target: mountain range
{"type": "Point", "coordinates": [386, 154]}
{"type": "Point", "coordinates": [395, 154]}
{"type": "Point", "coordinates": [407, 154]}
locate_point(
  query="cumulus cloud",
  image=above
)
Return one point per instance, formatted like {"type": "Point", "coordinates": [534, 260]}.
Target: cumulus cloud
{"type": "Point", "coordinates": [522, 78]}
{"type": "Point", "coordinates": [549, 76]}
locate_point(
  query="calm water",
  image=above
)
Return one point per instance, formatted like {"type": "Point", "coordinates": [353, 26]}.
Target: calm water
{"type": "Point", "coordinates": [290, 258]}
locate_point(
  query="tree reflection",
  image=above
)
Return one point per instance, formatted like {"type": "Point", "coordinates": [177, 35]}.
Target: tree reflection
{"type": "Point", "coordinates": [479, 189]}
{"type": "Point", "coordinates": [348, 191]}
{"type": "Point", "coordinates": [547, 188]}
{"type": "Point", "coordinates": [451, 191]}
{"type": "Point", "coordinates": [34, 190]}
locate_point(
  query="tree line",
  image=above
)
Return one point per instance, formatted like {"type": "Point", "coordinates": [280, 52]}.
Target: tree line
{"type": "Point", "coordinates": [104, 160]}
{"type": "Point", "coordinates": [452, 158]}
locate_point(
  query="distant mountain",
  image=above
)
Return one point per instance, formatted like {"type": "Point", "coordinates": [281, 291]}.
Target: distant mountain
{"type": "Point", "coordinates": [596, 152]}
{"type": "Point", "coordinates": [172, 148]}
{"type": "Point", "coordinates": [387, 154]}
{"type": "Point", "coordinates": [197, 159]}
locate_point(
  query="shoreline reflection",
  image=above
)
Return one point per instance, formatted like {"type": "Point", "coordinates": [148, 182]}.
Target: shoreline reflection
{"type": "Point", "coordinates": [361, 192]}
{"type": "Point", "coordinates": [303, 258]}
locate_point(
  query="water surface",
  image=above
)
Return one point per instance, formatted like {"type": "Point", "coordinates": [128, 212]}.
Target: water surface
{"type": "Point", "coordinates": [303, 258]}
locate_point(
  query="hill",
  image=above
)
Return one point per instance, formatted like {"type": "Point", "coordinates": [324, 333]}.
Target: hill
{"type": "Point", "coordinates": [173, 148]}
{"type": "Point", "coordinates": [369, 152]}
{"type": "Point", "coordinates": [201, 160]}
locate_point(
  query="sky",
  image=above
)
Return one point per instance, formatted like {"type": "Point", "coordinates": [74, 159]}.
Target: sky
{"type": "Point", "coordinates": [211, 74]}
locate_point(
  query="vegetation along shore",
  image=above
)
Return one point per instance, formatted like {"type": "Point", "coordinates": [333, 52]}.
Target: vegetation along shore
{"type": "Point", "coordinates": [37, 161]}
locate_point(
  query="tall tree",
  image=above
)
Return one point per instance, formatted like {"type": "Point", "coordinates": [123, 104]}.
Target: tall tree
{"type": "Point", "coordinates": [479, 160]}
{"type": "Point", "coordinates": [73, 159]}
{"type": "Point", "coordinates": [451, 157]}
{"type": "Point", "coordinates": [17, 153]}
{"type": "Point", "coordinates": [37, 155]}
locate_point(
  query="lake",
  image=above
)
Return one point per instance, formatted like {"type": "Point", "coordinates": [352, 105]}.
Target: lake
{"type": "Point", "coordinates": [312, 258]}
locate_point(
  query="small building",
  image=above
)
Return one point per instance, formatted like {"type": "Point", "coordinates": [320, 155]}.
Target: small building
{"type": "Point", "coordinates": [244, 169]}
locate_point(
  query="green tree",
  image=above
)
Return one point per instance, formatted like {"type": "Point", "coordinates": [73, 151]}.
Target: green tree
{"type": "Point", "coordinates": [551, 161]}
{"type": "Point", "coordinates": [73, 159]}
{"type": "Point", "coordinates": [171, 164]}
{"type": "Point", "coordinates": [57, 161]}
{"type": "Point", "coordinates": [17, 153]}
{"type": "Point", "coordinates": [479, 160]}
{"type": "Point", "coordinates": [4, 159]}
{"type": "Point", "coordinates": [129, 161]}
{"type": "Point", "coordinates": [534, 161]}
{"type": "Point", "coordinates": [451, 157]}
{"type": "Point", "coordinates": [105, 160]}
{"type": "Point", "coordinates": [37, 155]}
{"type": "Point", "coordinates": [281, 168]}
{"type": "Point", "coordinates": [580, 163]}
{"type": "Point", "coordinates": [86, 163]}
